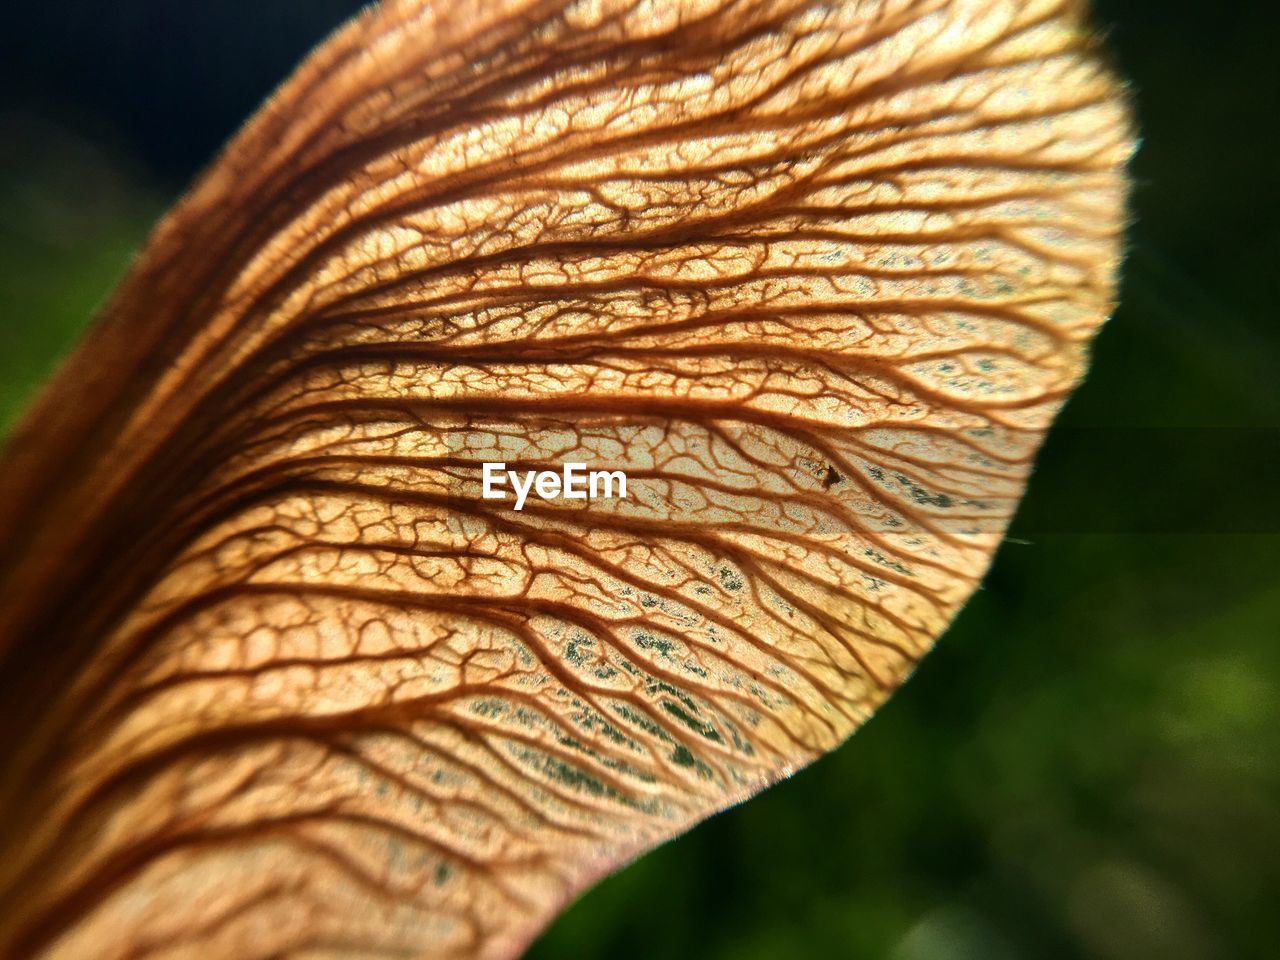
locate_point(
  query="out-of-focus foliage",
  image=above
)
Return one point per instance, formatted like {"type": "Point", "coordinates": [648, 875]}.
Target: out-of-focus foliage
{"type": "Point", "coordinates": [72, 216]}
{"type": "Point", "coordinates": [1089, 764]}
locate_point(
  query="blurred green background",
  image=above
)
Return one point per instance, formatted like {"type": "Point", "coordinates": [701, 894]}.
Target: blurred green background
{"type": "Point", "coordinates": [1089, 764]}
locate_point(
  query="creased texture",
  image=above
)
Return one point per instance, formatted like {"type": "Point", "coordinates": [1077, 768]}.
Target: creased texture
{"type": "Point", "coordinates": [815, 275]}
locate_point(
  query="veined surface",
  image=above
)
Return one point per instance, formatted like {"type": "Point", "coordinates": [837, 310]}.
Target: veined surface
{"type": "Point", "coordinates": [816, 276]}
